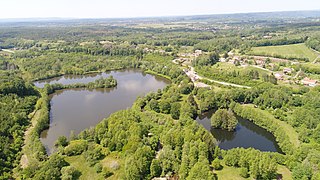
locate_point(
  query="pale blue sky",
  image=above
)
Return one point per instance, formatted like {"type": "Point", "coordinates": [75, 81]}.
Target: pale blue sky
{"type": "Point", "coordinates": [142, 8]}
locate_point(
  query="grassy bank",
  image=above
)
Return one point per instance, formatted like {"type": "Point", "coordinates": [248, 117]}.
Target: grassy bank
{"type": "Point", "coordinates": [286, 136]}
{"type": "Point", "coordinates": [157, 74]}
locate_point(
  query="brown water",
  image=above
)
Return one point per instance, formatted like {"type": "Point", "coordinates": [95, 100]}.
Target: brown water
{"type": "Point", "coordinates": [246, 135]}
{"type": "Point", "coordinates": [78, 109]}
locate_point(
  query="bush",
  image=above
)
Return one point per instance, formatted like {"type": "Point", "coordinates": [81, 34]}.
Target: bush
{"type": "Point", "coordinates": [106, 173]}
{"type": "Point", "coordinates": [93, 154]}
{"type": "Point", "coordinates": [98, 168]}
{"type": "Point", "coordinates": [76, 147]}
{"type": "Point", "coordinates": [175, 110]}
{"type": "Point", "coordinates": [216, 164]}
{"type": "Point", "coordinates": [62, 141]}
{"type": "Point", "coordinates": [155, 168]}
{"type": "Point", "coordinates": [244, 172]}
{"type": "Point", "coordinates": [69, 173]}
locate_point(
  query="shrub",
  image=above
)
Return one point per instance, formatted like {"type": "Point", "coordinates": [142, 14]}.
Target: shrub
{"type": "Point", "coordinates": [244, 172]}
{"type": "Point", "coordinates": [216, 164]}
{"type": "Point", "coordinates": [76, 147]}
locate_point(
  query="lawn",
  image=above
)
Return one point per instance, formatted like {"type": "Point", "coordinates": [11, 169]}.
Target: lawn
{"type": "Point", "coordinates": [81, 165]}
{"type": "Point", "coordinates": [229, 173]}
{"type": "Point", "coordinates": [232, 173]}
{"type": "Point", "coordinates": [293, 51]}
{"type": "Point", "coordinates": [114, 163]}
{"type": "Point", "coordinates": [285, 173]}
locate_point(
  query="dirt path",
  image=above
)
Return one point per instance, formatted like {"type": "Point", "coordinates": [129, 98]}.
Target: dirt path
{"type": "Point", "coordinates": [227, 84]}
{"type": "Point", "coordinates": [317, 52]}
{"type": "Point", "coordinates": [262, 68]}
{"type": "Point", "coordinates": [8, 50]}
{"type": "Point", "coordinates": [34, 119]}
{"type": "Point", "coordinates": [193, 75]}
{"type": "Point", "coordinates": [315, 61]}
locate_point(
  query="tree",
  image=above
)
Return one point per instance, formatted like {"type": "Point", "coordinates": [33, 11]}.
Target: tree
{"type": "Point", "coordinates": [217, 152]}
{"type": "Point", "coordinates": [51, 169]}
{"type": "Point", "coordinates": [225, 55]}
{"type": "Point", "coordinates": [188, 110]}
{"type": "Point", "coordinates": [69, 173]}
{"type": "Point", "coordinates": [303, 172]}
{"type": "Point", "coordinates": [131, 169]}
{"type": "Point", "coordinates": [62, 141]}
{"type": "Point", "coordinates": [244, 172]}
{"type": "Point", "coordinates": [214, 58]}
{"type": "Point", "coordinates": [137, 166]}
{"type": "Point", "coordinates": [200, 171]}
{"type": "Point", "coordinates": [175, 110]}
{"type": "Point", "coordinates": [167, 159]}
{"type": "Point", "coordinates": [216, 164]}
{"type": "Point", "coordinates": [155, 168]}
{"type": "Point", "coordinates": [154, 105]}
{"type": "Point", "coordinates": [224, 119]}
{"type": "Point", "coordinates": [165, 106]}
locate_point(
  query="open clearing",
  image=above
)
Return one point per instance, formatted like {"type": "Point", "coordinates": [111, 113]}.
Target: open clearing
{"type": "Point", "coordinates": [299, 51]}
{"type": "Point", "coordinates": [81, 165]}
{"type": "Point", "coordinates": [232, 173]}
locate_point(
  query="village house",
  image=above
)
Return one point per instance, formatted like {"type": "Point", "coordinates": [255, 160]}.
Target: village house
{"type": "Point", "coordinates": [259, 62]}
{"type": "Point", "coordinates": [147, 50]}
{"type": "Point", "coordinates": [267, 37]}
{"type": "Point", "coordinates": [162, 51]}
{"type": "Point", "coordinates": [309, 82]}
{"type": "Point", "coordinates": [287, 70]}
{"type": "Point", "coordinates": [278, 76]}
{"type": "Point", "coordinates": [222, 60]}
{"type": "Point", "coordinates": [236, 58]}
{"type": "Point", "coordinates": [230, 54]}
{"type": "Point", "coordinates": [197, 52]}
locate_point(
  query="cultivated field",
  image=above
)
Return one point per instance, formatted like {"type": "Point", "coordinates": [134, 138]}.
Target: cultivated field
{"type": "Point", "coordinates": [294, 51]}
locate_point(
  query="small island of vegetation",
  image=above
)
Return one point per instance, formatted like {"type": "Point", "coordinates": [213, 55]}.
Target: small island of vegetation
{"type": "Point", "coordinates": [224, 119]}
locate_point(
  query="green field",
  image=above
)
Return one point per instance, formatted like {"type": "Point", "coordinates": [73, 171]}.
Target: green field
{"type": "Point", "coordinates": [294, 51]}
{"type": "Point", "coordinates": [232, 173]}
{"type": "Point", "coordinates": [87, 172]}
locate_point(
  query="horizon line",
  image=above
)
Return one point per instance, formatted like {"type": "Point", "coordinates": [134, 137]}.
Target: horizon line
{"type": "Point", "coordinates": [155, 16]}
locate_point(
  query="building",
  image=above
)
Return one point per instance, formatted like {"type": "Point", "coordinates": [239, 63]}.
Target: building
{"type": "Point", "coordinates": [287, 70]}
{"type": "Point", "coordinates": [278, 76]}
{"type": "Point", "coordinates": [267, 37]}
{"type": "Point", "coordinates": [309, 82]}
{"type": "Point", "coordinates": [198, 52]}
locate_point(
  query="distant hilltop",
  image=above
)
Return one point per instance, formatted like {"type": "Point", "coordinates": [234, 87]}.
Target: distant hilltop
{"type": "Point", "coordinates": [251, 15]}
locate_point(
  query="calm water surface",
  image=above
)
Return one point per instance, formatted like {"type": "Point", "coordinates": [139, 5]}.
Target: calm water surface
{"type": "Point", "coordinates": [78, 109]}
{"type": "Point", "coordinates": [246, 135]}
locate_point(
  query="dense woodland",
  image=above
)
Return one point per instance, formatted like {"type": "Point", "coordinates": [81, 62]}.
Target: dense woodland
{"type": "Point", "coordinates": [158, 136]}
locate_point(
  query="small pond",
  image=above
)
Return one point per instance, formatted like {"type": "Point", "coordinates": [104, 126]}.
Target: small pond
{"type": "Point", "coordinates": [246, 135]}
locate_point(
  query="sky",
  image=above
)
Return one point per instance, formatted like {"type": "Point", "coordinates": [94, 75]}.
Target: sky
{"type": "Point", "coordinates": [143, 8]}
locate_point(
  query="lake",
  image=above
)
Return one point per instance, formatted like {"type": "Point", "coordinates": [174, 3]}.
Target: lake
{"type": "Point", "coordinates": [78, 109]}
{"type": "Point", "coordinates": [246, 135]}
